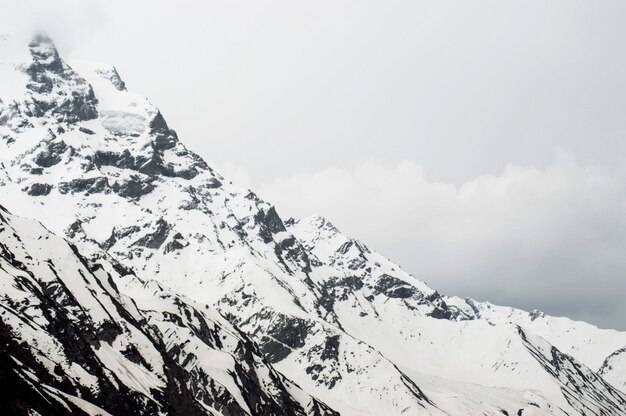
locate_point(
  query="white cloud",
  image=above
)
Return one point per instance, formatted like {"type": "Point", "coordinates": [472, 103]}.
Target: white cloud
{"type": "Point", "coordinates": [70, 23]}
{"type": "Point", "coordinates": [550, 238]}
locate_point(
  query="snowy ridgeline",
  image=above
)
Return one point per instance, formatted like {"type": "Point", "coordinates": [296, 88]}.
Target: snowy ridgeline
{"type": "Point", "coordinates": [179, 293]}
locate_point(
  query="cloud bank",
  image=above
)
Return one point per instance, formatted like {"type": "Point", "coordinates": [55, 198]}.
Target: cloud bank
{"type": "Point", "coordinates": [552, 238]}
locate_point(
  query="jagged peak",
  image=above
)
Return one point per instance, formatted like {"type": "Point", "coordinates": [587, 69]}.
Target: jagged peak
{"type": "Point", "coordinates": [45, 53]}
{"type": "Point", "coordinates": [158, 122]}
{"type": "Point", "coordinates": [536, 313]}
{"type": "Point", "coordinates": [103, 70]}
{"type": "Point", "coordinates": [39, 83]}
{"type": "Point", "coordinates": [317, 221]}
{"type": "Point", "coordinates": [20, 49]}
{"type": "Point", "coordinates": [109, 72]}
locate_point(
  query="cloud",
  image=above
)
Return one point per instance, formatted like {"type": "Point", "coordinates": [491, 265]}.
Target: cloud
{"type": "Point", "coordinates": [68, 22]}
{"type": "Point", "coordinates": [553, 238]}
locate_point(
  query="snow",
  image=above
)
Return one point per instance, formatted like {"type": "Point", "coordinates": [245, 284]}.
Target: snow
{"type": "Point", "coordinates": [210, 257]}
{"type": "Point", "coordinates": [120, 111]}
{"type": "Point", "coordinates": [132, 375]}
{"type": "Point", "coordinates": [583, 341]}
{"type": "Point", "coordinates": [84, 405]}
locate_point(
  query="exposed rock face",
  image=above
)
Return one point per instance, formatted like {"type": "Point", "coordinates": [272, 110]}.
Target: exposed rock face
{"type": "Point", "coordinates": [55, 88]}
{"type": "Point", "coordinates": [39, 189]}
{"type": "Point", "coordinates": [221, 307]}
{"type": "Point", "coordinates": [112, 76]}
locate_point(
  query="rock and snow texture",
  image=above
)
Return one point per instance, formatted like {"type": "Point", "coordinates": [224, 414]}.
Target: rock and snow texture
{"type": "Point", "coordinates": [225, 304]}
{"type": "Point", "coordinates": [71, 336]}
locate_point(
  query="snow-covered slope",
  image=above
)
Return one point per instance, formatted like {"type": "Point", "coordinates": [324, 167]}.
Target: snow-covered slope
{"type": "Point", "coordinates": [71, 336]}
{"type": "Point", "coordinates": [429, 335]}
{"type": "Point", "coordinates": [99, 165]}
{"type": "Point", "coordinates": [613, 369]}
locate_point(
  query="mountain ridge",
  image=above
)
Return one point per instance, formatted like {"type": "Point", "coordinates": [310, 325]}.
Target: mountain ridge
{"type": "Point", "coordinates": [100, 166]}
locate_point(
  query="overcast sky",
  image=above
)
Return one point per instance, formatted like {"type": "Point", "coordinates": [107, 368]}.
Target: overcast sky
{"type": "Point", "coordinates": [480, 144]}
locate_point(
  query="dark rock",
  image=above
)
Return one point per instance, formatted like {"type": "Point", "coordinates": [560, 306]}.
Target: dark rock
{"type": "Point", "coordinates": [153, 165]}
{"type": "Point", "coordinates": [285, 334]}
{"type": "Point", "coordinates": [273, 350]}
{"type": "Point", "coordinates": [122, 160]}
{"type": "Point", "coordinates": [394, 287]}
{"type": "Point", "coordinates": [165, 141]}
{"type": "Point", "coordinates": [88, 185]}
{"type": "Point", "coordinates": [39, 189]}
{"type": "Point", "coordinates": [51, 153]}
{"type": "Point", "coordinates": [269, 223]}
{"type": "Point", "coordinates": [536, 314]}
{"type": "Point", "coordinates": [290, 331]}
{"type": "Point", "coordinates": [439, 313]}
{"type": "Point", "coordinates": [213, 183]}
{"type": "Point", "coordinates": [357, 263]}
{"type": "Point", "coordinates": [315, 371]}
{"type": "Point", "coordinates": [68, 97]}
{"type": "Point", "coordinates": [45, 53]}
{"type": "Point", "coordinates": [151, 162]}
{"type": "Point", "coordinates": [351, 282]}
{"type": "Point", "coordinates": [343, 249]}
{"type": "Point", "coordinates": [133, 188]}
{"type": "Point", "coordinates": [74, 229]}
{"type": "Point", "coordinates": [108, 331]}
{"type": "Point", "coordinates": [331, 348]}
{"type": "Point", "coordinates": [155, 239]}
{"type": "Point", "coordinates": [118, 234]}
{"type": "Point", "coordinates": [175, 244]}
{"type": "Point", "coordinates": [158, 124]}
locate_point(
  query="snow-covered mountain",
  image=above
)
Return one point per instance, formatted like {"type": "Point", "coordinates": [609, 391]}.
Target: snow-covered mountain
{"type": "Point", "coordinates": [219, 301]}
{"type": "Point", "coordinates": [88, 336]}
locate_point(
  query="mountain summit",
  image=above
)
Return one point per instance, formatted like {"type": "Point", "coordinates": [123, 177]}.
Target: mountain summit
{"type": "Point", "coordinates": [157, 287]}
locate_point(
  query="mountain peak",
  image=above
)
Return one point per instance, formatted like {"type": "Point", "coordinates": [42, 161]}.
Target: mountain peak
{"type": "Point", "coordinates": [40, 85]}
{"type": "Point", "coordinates": [109, 72]}
{"type": "Point", "coordinates": [104, 71]}
{"type": "Point", "coordinates": [317, 221]}
{"type": "Point", "coordinates": [45, 53]}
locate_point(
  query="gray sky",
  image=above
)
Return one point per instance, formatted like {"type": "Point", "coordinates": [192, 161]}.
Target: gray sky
{"type": "Point", "coordinates": [480, 144]}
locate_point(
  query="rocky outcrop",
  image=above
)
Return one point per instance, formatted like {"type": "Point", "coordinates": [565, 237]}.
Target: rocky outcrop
{"type": "Point", "coordinates": [55, 88]}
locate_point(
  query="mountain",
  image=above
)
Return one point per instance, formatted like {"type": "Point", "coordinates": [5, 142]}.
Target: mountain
{"type": "Point", "coordinates": [448, 338]}
{"type": "Point", "coordinates": [72, 340]}
{"type": "Point", "coordinates": [214, 288]}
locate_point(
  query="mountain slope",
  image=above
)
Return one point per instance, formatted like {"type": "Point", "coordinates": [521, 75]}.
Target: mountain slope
{"type": "Point", "coordinates": [99, 165]}
{"type": "Point", "coordinates": [436, 339]}
{"type": "Point", "coordinates": [613, 369]}
{"type": "Point", "coordinates": [70, 334]}
{"type": "Point", "coordinates": [351, 268]}
{"type": "Point", "coordinates": [170, 217]}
